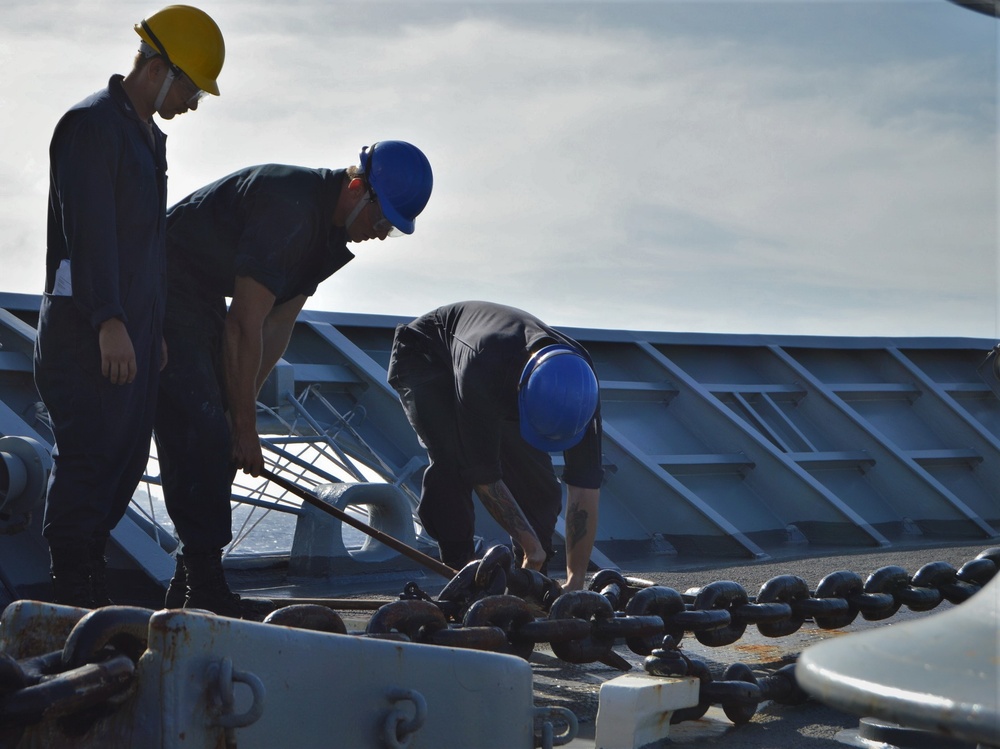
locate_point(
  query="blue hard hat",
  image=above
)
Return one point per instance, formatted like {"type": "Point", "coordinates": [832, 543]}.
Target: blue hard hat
{"type": "Point", "coordinates": [400, 176]}
{"type": "Point", "coordinates": [557, 398]}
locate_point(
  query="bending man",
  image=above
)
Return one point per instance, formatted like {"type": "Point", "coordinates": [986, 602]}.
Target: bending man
{"type": "Point", "coordinates": [265, 236]}
{"type": "Point", "coordinates": [491, 391]}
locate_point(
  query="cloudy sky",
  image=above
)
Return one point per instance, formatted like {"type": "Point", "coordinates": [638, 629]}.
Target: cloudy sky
{"type": "Point", "coordinates": [754, 167]}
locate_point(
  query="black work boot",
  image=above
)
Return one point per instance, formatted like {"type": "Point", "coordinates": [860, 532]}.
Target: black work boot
{"type": "Point", "coordinates": [98, 568]}
{"type": "Point", "coordinates": [70, 569]}
{"type": "Point", "coordinates": [178, 589]}
{"type": "Point", "coordinates": [207, 587]}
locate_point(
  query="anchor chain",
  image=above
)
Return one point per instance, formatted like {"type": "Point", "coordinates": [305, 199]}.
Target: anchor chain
{"type": "Point", "coordinates": [492, 575]}
{"type": "Point", "coordinates": [493, 605]}
{"type": "Point", "coordinates": [484, 607]}
{"type": "Point", "coordinates": [87, 680]}
{"type": "Point", "coordinates": [739, 692]}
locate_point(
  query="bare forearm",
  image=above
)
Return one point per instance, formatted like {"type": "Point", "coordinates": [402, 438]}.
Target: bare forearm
{"type": "Point", "coordinates": [242, 351]}
{"type": "Point", "coordinates": [581, 530]}
{"type": "Point", "coordinates": [500, 503]}
{"type": "Point", "coordinates": [241, 362]}
{"type": "Point", "coordinates": [276, 334]}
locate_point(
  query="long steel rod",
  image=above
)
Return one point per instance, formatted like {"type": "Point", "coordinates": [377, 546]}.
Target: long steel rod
{"type": "Point", "coordinates": [417, 556]}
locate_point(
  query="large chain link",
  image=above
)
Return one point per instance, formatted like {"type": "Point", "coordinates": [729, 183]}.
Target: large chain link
{"type": "Point", "coordinates": [88, 679]}
{"type": "Point", "coordinates": [739, 691]}
{"type": "Point", "coordinates": [583, 626]}
{"type": "Point", "coordinates": [490, 604]}
{"type": "Point", "coordinates": [493, 605]}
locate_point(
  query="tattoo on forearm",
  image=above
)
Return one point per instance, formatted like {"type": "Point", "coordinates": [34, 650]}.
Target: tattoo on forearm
{"type": "Point", "coordinates": [576, 525]}
{"type": "Point", "coordinates": [501, 506]}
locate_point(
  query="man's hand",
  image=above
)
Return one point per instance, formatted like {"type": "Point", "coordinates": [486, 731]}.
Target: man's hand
{"type": "Point", "coordinates": [247, 455]}
{"type": "Point", "coordinates": [117, 354]}
{"type": "Point", "coordinates": [500, 503]}
{"type": "Point", "coordinates": [534, 557]}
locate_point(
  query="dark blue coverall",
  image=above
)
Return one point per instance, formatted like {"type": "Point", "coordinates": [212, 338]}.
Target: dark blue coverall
{"type": "Point", "coordinates": [107, 205]}
{"type": "Point", "coordinates": [273, 223]}
{"type": "Point", "coordinates": [457, 370]}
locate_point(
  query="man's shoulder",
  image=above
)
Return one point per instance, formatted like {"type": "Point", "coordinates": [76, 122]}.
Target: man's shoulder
{"type": "Point", "coordinates": [97, 113]}
{"type": "Point", "coordinates": [276, 180]}
{"type": "Point", "coordinates": [291, 171]}
{"type": "Point", "coordinates": [112, 98]}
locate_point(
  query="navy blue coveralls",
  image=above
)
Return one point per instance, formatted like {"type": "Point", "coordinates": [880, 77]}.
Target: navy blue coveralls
{"type": "Point", "coordinates": [107, 202]}
{"type": "Point", "coordinates": [274, 224]}
{"type": "Point", "coordinates": [457, 370]}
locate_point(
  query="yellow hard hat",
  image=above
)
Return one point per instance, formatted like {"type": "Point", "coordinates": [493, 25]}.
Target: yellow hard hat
{"type": "Point", "coordinates": [189, 39]}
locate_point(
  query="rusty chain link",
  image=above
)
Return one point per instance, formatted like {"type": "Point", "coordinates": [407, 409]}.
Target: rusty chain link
{"type": "Point", "coordinates": [493, 605]}
{"type": "Point", "coordinates": [90, 677]}
{"type": "Point", "coordinates": [739, 692]}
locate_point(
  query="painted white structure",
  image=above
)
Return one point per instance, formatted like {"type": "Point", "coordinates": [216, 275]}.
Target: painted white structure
{"type": "Point", "coordinates": [271, 686]}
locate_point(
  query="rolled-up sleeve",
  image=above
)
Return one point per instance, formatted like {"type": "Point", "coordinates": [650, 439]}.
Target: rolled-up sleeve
{"type": "Point", "coordinates": [584, 464]}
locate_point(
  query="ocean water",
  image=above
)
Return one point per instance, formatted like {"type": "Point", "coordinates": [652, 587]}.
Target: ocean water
{"type": "Point", "coordinates": [265, 522]}
{"type": "Point", "coordinates": [256, 530]}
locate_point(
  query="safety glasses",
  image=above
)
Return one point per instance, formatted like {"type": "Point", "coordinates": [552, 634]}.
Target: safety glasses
{"type": "Point", "coordinates": [192, 99]}
{"type": "Point", "coordinates": [381, 223]}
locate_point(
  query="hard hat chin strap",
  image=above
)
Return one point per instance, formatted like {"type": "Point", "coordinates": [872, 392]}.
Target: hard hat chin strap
{"type": "Point", "coordinates": [167, 82]}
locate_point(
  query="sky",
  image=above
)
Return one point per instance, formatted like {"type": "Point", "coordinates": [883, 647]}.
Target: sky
{"type": "Point", "coordinates": [785, 167]}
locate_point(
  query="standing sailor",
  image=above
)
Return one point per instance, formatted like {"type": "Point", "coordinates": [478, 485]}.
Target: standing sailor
{"type": "Point", "coordinates": [99, 348]}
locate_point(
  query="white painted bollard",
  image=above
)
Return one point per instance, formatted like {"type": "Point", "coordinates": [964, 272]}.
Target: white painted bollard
{"type": "Point", "coordinates": [318, 548]}
{"type": "Point", "coordinates": [635, 709]}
